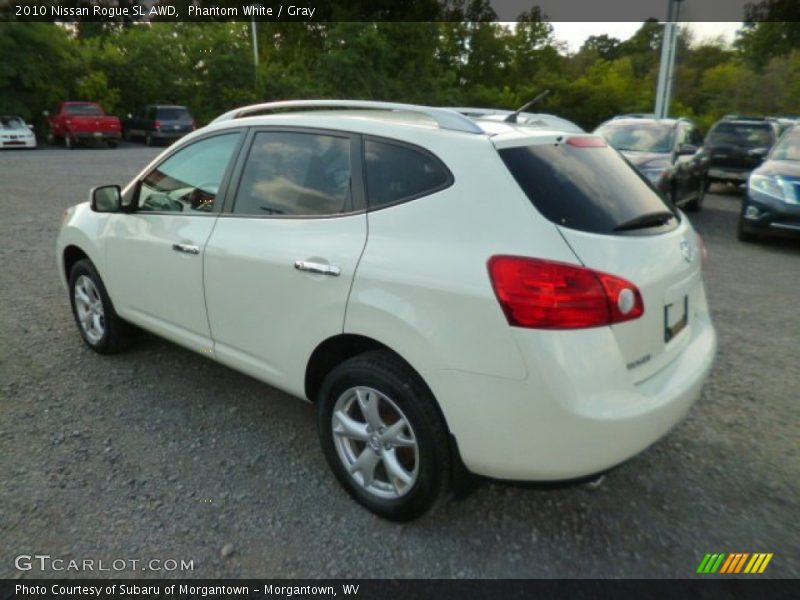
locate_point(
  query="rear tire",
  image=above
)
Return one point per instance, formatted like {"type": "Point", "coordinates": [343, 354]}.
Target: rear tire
{"type": "Point", "coordinates": [98, 323]}
{"type": "Point", "coordinates": [383, 436]}
{"type": "Point", "coordinates": [68, 142]}
{"type": "Point", "coordinates": [112, 145]}
{"type": "Point", "coordinates": [148, 139]}
{"type": "Point", "coordinates": [697, 203]}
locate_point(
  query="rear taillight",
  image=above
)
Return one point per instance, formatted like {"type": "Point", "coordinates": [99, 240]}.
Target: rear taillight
{"type": "Point", "coordinates": [158, 124]}
{"type": "Point", "coordinates": [703, 251]}
{"type": "Point", "coordinates": [544, 294]}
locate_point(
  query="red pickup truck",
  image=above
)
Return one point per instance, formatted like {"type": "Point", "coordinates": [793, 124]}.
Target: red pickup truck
{"type": "Point", "coordinates": [76, 122]}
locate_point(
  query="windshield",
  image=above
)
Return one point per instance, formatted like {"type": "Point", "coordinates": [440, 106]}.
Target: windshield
{"type": "Point", "coordinates": [639, 137]}
{"type": "Point", "coordinates": [788, 148]}
{"type": "Point", "coordinates": [742, 134]}
{"type": "Point", "coordinates": [89, 110]}
{"type": "Point", "coordinates": [174, 114]}
{"type": "Point", "coordinates": [588, 189]}
{"type": "Point", "coordinates": [12, 123]}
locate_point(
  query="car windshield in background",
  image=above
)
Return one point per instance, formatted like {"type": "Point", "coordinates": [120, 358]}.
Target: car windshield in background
{"type": "Point", "coordinates": [174, 114]}
{"type": "Point", "coordinates": [588, 189]}
{"type": "Point", "coordinates": [89, 110]}
{"type": "Point", "coordinates": [638, 137]}
{"type": "Point", "coordinates": [742, 134]}
{"type": "Point", "coordinates": [788, 148]}
{"type": "Point", "coordinates": [11, 123]}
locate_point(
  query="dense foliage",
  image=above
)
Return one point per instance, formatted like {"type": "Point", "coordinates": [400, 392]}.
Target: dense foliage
{"type": "Point", "coordinates": [475, 62]}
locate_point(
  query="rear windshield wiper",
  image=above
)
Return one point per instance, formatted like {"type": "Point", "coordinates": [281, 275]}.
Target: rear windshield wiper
{"type": "Point", "coordinates": [653, 219]}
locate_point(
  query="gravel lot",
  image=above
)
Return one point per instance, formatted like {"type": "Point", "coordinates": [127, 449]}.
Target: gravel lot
{"type": "Point", "coordinates": [159, 453]}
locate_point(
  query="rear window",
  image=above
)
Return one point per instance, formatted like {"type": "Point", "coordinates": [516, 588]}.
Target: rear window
{"type": "Point", "coordinates": [90, 110]}
{"type": "Point", "coordinates": [588, 189]}
{"type": "Point", "coordinates": [742, 134]}
{"type": "Point", "coordinates": [639, 137]}
{"type": "Point", "coordinates": [174, 114]}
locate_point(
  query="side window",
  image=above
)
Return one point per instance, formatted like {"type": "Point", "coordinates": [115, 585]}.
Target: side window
{"type": "Point", "coordinates": [188, 181]}
{"type": "Point", "coordinates": [290, 173]}
{"type": "Point", "coordinates": [695, 137]}
{"type": "Point", "coordinates": [683, 135]}
{"type": "Point", "coordinates": [397, 172]}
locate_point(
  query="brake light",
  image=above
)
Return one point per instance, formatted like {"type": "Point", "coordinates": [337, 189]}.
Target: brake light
{"type": "Point", "coordinates": [544, 294]}
{"type": "Point", "coordinates": [158, 124]}
{"type": "Point", "coordinates": [587, 141]}
{"type": "Point", "coordinates": [703, 251]}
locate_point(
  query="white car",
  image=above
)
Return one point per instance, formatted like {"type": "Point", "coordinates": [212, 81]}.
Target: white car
{"type": "Point", "coordinates": [16, 133]}
{"type": "Point", "coordinates": [449, 292]}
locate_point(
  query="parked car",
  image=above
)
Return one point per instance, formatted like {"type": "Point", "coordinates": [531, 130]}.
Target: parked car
{"type": "Point", "coordinates": [78, 122]}
{"type": "Point", "coordinates": [453, 295]}
{"type": "Point", "coordinates": [159, 123]}
{"type": "Point", "coordinates": [736, 145]}
{"type": "Point", "coordinates": [16, 133]}
{"type": "Point", "coordinates": [666, 152]}
{"type": "Point", "coordinates": [772, 203]}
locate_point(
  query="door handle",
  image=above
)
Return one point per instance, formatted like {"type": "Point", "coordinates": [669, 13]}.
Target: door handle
{"type": "Point", "coordinates": [186, 248]}
{"type": "Point", "coordinates": [312, 267]}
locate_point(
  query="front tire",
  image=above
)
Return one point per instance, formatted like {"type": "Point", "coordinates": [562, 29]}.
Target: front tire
{"type": "Point", "coordinates": [68, 142]}
{"type": "Point", "coordinates": [100, 327]}
{"type": "Point", "coordinates": [742, 234]}
{"type": "Point", "coordinates": [383, 436]}
{"type": "Point", "coordinates": [148, 140]}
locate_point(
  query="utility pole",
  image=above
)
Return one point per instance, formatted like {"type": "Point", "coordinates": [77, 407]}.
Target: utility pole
{"type": "Point", "coordinates": [668, 47]}
{"type": "Point", "coordinates": [255, 49]}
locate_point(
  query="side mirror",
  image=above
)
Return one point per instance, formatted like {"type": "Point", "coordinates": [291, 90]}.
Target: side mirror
{"type": "Point", "coordinates": [106, 199]}
{"type": "Point", "coordinates": [687, 149]}
{"type": "Point", "coordinates": [30, 126]}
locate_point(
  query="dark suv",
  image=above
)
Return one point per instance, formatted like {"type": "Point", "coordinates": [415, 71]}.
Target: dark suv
{"type": "Point", "coordinates": [159, 123]}
{"type": "Point", "coordinates": [737, 145]}
{"type": "Point", "coordinates": [665, 152]}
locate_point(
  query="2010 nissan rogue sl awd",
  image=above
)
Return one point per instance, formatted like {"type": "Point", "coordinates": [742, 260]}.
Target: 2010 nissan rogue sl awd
{"type": "Point", "coordinates": [447, 291]}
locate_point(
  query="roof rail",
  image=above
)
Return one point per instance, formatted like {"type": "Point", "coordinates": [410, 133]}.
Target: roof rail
{"type": "Point", "coordinates": [444, 117]}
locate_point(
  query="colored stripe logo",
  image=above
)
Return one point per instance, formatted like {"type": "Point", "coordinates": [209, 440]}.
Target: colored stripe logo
{"type": "Point", "coordinates": [736, 562]}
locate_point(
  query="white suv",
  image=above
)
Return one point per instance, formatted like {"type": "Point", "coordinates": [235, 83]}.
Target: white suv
{"type": "Point", "coordinates": [450, 292]}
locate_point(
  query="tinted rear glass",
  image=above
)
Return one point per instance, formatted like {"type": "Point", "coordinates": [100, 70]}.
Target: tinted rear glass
{"type": "Point", "coordinates": [174, 114]}
{"type": "Point", "coordinates": [588, 189]}
{"type": "Point", "coordinates": [742, 134]}
{"type": "Point", "coordinates": [83, 109]}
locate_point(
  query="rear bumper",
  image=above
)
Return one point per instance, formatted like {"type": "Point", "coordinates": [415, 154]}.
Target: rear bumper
{"type": "Point", "coordinates": [557, 426]}
{"type": "Point", "coordinates": [731, 174]}
{"type": "Point", "coordinates": [106, 136]}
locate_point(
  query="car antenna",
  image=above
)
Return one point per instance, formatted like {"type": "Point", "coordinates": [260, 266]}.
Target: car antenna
{"type": "Point", "coordinates": [512, 118]}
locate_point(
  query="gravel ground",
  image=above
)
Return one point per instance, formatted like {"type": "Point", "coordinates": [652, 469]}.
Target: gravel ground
{"type": "Point", "coordinates": [159, 453]}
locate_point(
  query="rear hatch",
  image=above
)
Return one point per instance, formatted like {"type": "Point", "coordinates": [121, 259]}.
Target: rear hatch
{"type": "Point", "coordinates": [739, 145]}
{"type": "Point", "coordinates": [175, 119]}
{"type": "Point", "coordinates": [615, 222]}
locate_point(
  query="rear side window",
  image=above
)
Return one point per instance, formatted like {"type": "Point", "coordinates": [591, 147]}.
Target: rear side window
{"type": "Point", "coordinates": [396, 173]}
{"type": "Point", "coordinates": [588, 189]}
{"type": "Point", "coordinates": [742, 134]}
{"type": "Point", "coordinates": [298, 174]}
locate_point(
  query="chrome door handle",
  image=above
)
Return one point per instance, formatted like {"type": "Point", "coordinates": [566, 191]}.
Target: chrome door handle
{"type": "Point", "coordinates": [186, 248]}
{"type": "Point", "coordinates": [312, 267]}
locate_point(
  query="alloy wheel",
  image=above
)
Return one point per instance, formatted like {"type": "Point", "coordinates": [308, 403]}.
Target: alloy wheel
{"type": "Point", "coordinates": [89, 309]}
{"type": "Point", "coordinates": [375, 442]}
